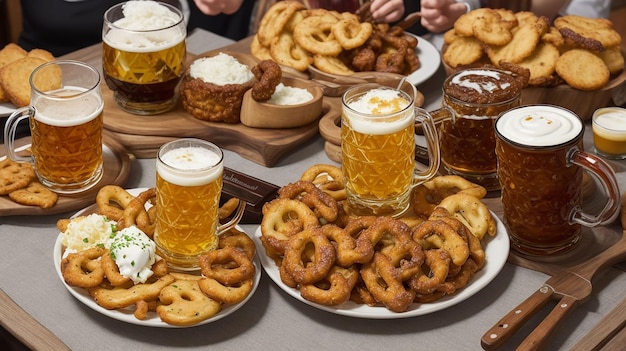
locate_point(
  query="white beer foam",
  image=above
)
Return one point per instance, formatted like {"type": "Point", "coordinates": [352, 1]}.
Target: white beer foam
{"type": "Point", "coordinates": [140, 29]}
{"type": "Point", "coordinates": [379, 102]}
{"type": "Point", "coordinates": [539, 125]}
{"type": "Point", "coordinates": [482, 86]}
{"type": "Point", "coordinates": [63, 111]}
{"type": "Point", "coordinates": [612, 122]}
{"type": "Point", "coordinates": [190, 166]}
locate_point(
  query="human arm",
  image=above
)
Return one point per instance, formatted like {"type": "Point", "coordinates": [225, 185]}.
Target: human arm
{"type": "Point", "coordinates": [215, 7]}
{"type": "Point", "coordinates": [385, 11]}
{"type": "Point", "coordinates": [440, 15]}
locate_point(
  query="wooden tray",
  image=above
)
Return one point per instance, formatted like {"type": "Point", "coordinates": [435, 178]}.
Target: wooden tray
{"type": "Point", "coordinates": [116, 171]}
{"type": "Point", "coordinates": [143, 135]}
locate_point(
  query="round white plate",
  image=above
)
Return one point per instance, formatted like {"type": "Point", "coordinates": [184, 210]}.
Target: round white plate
{"type": "Point", "coordinates": [6, 108]}
{"type": "Point", "coordinates": [496, 252]}
{"type": "Point", "coordinates": [430, 59]}
{"type": "Point", "coordinates": [126, 314]}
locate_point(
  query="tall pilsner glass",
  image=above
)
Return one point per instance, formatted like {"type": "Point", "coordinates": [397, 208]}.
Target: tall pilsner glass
{"type": "Point", "coordinates": [143, 55]}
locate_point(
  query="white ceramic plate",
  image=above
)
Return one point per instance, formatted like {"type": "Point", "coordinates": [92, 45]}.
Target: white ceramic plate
{"type": "Point", "coordinates": [430, 59]}
{"type": "Point", "coordinates": [496, 252]}
{"type": "Point", "coordinates": [126, 314]}
{"type": "Point", "coordinates": [6, 108]}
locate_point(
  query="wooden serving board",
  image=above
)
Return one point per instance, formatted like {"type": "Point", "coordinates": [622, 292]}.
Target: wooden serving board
{"type": "Point", "coordinates": [143, 135]}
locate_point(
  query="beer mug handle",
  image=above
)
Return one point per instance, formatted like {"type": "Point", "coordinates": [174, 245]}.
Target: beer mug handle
{"type": "Point", "coordinates": [222, 228]}
{"type": "Point", "coordinates": [432, 140]}
{"type": "Point", "coordinates": [10, 129]}
{"type": "Point", "coordinates": [606, 176]}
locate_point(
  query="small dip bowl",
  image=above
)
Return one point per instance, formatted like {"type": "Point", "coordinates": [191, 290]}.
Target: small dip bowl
{"type": "Point", "coordinates": [256, 114]}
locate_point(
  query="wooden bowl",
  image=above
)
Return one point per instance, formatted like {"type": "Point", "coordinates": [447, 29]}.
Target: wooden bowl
{"type": "Point", "coordinates": [256, 114]}
{"type": "Point", "coordinates": [581, 102]}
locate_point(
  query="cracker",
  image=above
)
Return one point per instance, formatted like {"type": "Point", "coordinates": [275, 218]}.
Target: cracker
{"type": "Point", "coordinates": [463, 51]}
{"type": "Point", "coordinates": [42, 54]}
{"type": "Point", "coordinates": [524, 42]}
{"type": "Point", "coordinates": [582, 69]}
{"type": "Point", "coordinates": [491, 30]}
{"type": "Point", "coordinates": [464, 24]}
{"type": "Point", "coordinates": [11, 52]}
{"type": "Point", "coordinates": [15, 175]}
{"type": "Point", "coordinates": [14, 78]}
{"type": "Point", "coordinates": [541, 63]}
{"type": "Point", "coordinates": [588, 33]}
{"type": "Point", "coordinates": [35, 194]}
{"type": "Point", "coordinates": [613, 59]}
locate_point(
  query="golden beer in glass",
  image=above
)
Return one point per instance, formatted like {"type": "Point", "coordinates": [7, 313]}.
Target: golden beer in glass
{"type": "Point", "coordinates": [66, 127]}
{"type": "Point", "coordinates": [378, 149]}
{"type": "Point", "coordinates": [143, 56]}
{"type": "Point", "coordinates": [188, 185]}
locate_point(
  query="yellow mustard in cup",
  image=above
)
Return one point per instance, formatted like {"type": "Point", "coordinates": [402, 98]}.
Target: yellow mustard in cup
{"type": "Point", "coordinates": [609, 132]}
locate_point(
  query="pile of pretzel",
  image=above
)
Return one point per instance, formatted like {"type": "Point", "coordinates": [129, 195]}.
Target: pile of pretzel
{"type": "Point", "coordinates": [332, 257]}
{"type": "Point", "coordinates": [177, 298]}
{"type": "Point", "coordinates": [336, 43]}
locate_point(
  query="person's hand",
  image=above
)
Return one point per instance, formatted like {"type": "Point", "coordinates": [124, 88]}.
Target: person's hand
{"type": "Point", "coordinates": [440, 15]}
{"type": "Point", "coordinates": [385, 11]}
{"type": "Point", "coordinates": [215, 7]}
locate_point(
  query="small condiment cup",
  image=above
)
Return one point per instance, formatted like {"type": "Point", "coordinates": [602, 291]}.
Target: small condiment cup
{"type": "Point", "coordinates": [609, 132]}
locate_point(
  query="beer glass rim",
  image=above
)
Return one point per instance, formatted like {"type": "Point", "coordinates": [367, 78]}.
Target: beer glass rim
{"type": "Point", "coordinates": [488, 104]}
{"type": "Point", "coordinates": [597, 113]}
{"type": "Point", "coordinates": [88, 90]}
{"type": "Point", "coordinates": [191, 142]}
{"type": "Point", "coordinates": [370, 115]}
{"type": "Point", "coordinates": [111, 23]}
{"type": "Point", "coordinates": [572, 141]}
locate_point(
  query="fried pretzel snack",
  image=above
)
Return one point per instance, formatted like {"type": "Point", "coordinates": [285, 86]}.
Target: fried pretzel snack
{"type": "Point", "coordinates": [451, 241]}
{"type": "Point", "coordinates": [383, 281]}
{"type": "Point", "coordinates": [135, 213]}
{"type": "Point", "coordinates": [112, 200]}
{"type": "Point", "coordinates": [287, 52]}
{"type": "Point", "coordinates": [268, 75]}
{"type": "Point", "coordinates": [472, 212]}
{"type": "Point", "coordinates": [223, 293]}
{"type": "Point", "coordinates": [15, 175]}
{"type": "Point", "coordinates": [35, 194]}
{"type": "Point", "coordinates": [83, 269]}
{"type": "Point", "coordinates": [328, 178]}
{"type": "Point", "coordinates": [304, 272]}
{"type": "Point", "coordinates": [227, 265]}
{"type": "Point", "coordinates": [120, 297]}
{"type": "Point", "coordinates": [351, 33]}
{"type": "Point", "coordinates": [183, 303]}
{"type": "Point", "coordinates": [334, 289]}
{"type": "Point", "coordinates": [275, 19]}
{"type": "Point", "coordinates": [283, 218]}
{"type": "Point", "coordinates": [320, 202]}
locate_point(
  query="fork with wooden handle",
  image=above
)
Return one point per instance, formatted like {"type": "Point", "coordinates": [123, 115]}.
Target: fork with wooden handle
{"type": "Point", "coordinates": [570, 287]}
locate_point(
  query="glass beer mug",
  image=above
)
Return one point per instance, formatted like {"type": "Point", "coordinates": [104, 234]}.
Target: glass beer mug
{"type": "Point", "coordinates": [378, 148]}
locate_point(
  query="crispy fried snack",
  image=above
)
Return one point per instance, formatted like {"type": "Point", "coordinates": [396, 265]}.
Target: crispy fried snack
{"type": "Point", "coordinates": [535, 46]}
{"type": "Point", "coordinates": [382, 260]}
{"type": "Point", "coordinates": [183, 303]}
{"type": "Point", "coordinates": [35, 194]}
{"type": "Point", "coordinates": [15, 175]}
{"type": "Point", "coordinates": [582, 70]}
{"type": "Point", "coordinates": [268, 75]}
{"type": "Point", "coordinates": [336, 43]}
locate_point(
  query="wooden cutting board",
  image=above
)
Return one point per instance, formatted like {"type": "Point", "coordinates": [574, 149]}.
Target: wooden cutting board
{"type": "Point", "coordinates": [143, 135]}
